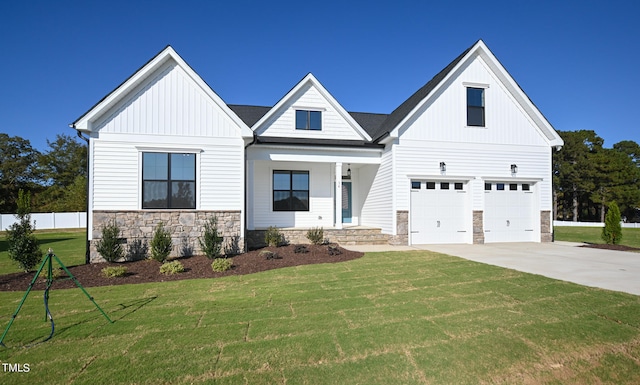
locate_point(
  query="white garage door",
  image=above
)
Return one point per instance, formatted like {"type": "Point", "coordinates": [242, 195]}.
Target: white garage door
{"type": "Point", "coordinates": [438, 212]}
{"type": "Point", "coordinates": [508, 213]}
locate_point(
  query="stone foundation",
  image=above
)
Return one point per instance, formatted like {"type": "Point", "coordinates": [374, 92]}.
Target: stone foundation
{"type": "Point", "coordinates": [348, 236]}
{"type": "Point", "coordinates": [402, 229]}
{"type": "Point", "coordinates": [478, 227]}
{"type": "Point", "coordinates": [185, 227]}
{"type": "Point", "coordinates": [546, 230]}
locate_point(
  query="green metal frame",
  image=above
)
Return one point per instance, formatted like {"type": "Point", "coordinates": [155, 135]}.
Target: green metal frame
{"type": "Point", "coordinates": [48, 261]}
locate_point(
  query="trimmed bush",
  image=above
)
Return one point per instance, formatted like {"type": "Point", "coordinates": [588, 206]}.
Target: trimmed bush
{"type": "Point", "coordinates": [221, 264]}
{"type": "Point", "coordinates": [301, 249]}
{"type": "Point", "coordinates": [137, 250]}
{"type": "Point", "coordinates": [273, 237]}
{"type": "Point", "coordinates": [269, 255]}
{"type": "Point", "coordinates": [211, 240]}
{"type": "Point", "coordinates": [612, 230]}
{"type": "Point", "coordinates": [173, 267]}
{"type": "Point", "coordinates": [55, 273]}
{"type": "Point", "coordinates": [110, 246]}
{"type": "Point", "coordinates": [114, 271]}
{"type": "Point", "coordinates": [23, 244]}
{"type": "Point", "coordinates": [161, 243]}
{"type": "Point", "coordinates": [316, 235]}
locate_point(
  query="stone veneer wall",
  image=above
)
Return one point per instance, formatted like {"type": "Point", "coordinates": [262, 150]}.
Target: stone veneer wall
{"type": "Point", "coordinates": [478, 227]}
{"type": "Point", "coordinates": [546, 231]}
{"type": "Point", "coordinates": [402, 229]}
{"type": "Point", "coordinates": [348, 236]}
{"type": "Point", "coordinates": [185, 226]}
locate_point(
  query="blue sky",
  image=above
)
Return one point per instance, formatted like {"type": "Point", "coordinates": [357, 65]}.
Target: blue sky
{"type": "Point", "coordinates": [577, 60]}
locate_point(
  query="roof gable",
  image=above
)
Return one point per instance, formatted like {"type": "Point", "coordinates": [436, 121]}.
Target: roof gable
{"type": "Point", "coordinates": [295, 99]}
{"type": "Point", "coordinates": [401, 115]}
{"type": "Point", "coordinates": [148, 70]}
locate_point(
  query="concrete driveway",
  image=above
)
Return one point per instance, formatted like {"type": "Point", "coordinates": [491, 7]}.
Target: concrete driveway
{"type": "Point", "coordinates": [607, 269]}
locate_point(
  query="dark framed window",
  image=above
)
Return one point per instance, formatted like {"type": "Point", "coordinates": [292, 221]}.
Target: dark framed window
{"type": "Point", "coordinates": [290, 190]}
{"type": "Point", "coordinates": [444, 185]}
{"type": "Point", "coordinates": [526, 187]}
{"type": "Point", "coordinates": [475, 107]}
{"type": "Point", "coordinates": [487, 186]}
{"type": "Point", "coordinates": [431, 185]}
{"type": "Point", "coordinates": [308, 120]}
{"type": "Point", "coordinates": [415, 185]}
{"type": "Point", "coordinates": [513, 187]}
{"type": "Point", "coordinates": [168, 180]}
{"type": "Point", "coordinates": [457, 186]}
{"type": "Point", "coordinates": [500, 186]}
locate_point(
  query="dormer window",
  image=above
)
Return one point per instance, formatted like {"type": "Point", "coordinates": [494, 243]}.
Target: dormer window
{"type": "Point", "coordinates": [308, 120]}
{"type": "Point", "coordinates": [475, 107]}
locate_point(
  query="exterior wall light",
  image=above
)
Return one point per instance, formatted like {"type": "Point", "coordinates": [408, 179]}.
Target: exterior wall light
{"type": "Point", "coordinates": [443, 166]}
{"type": "Point", "coordinates": [514, 169]}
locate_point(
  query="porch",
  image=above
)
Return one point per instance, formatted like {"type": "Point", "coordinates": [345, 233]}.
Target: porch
{"type": "Point", "coordinates": [348, 235]}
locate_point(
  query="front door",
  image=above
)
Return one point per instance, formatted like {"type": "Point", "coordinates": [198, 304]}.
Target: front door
{"type": "Point", "coordinates": [346, 202]}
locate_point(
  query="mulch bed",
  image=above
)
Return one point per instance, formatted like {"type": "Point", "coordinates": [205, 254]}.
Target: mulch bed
{"type": "Point", "coordinates": [195, 267]}
{"type": "Point", "coordinates": [611, 247]}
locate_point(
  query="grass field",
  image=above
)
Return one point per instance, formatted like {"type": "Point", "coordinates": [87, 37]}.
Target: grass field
{"type": "Point", "coordinates": [387, 318]}
{"type": "Point", "coordinates": [68, 245]}
{"type": "Point", "coordinates": [630, 237]}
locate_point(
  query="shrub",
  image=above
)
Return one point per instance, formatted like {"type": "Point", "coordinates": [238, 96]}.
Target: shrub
{"type": "Point", "coordinates": [333, 250]}
{"type": "Point", "coordinates": [55, 273]}
{"type": "Point", "coordinates": [301, 249]}
{"type": "Point", "coordinates": [161, 243]}
{"type": "Point", "coordinates": [173, 267]}
{"type": "Point", "coordinates": [221, 264]}
{"type": "Point", "coordinates": [114, 271]}
{"type": "Point", "coordinates": [23, 244]}
{"type": "Point", "coordinates": [612, 231]}
{"type": "Point", "coordinates": [273, 237]}
{"type": "Point", "coordinates": [316, 235]}
{"type": "Point", "coordinates": [211, 240]}
{"type": "Point", "coordinates": [110, 246]}
{"type": "Point", "coordinates": [269, 255]}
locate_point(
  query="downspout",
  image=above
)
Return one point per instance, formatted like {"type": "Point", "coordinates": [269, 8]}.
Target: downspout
{"type": "Point", "coordinates": [246, 203]}
{"type": "Point", "coordinates": [87, 254]}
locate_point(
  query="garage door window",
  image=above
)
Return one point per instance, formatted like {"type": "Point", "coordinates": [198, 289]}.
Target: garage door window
{"type": "Point", "coordinates": [444, 186]}
{"type": "Point", "coordinates": [431, 185]}
{"type": "Point", "coordinates": [500, 186]}
{"type": "Point", "coordinates": [525, 187]}
{"type": "Point", "coordinates": [513, 187]}
{"type": "Point", "coordinates": [415, 185]}
{"type": "Point", "coordinates": [457, 186]}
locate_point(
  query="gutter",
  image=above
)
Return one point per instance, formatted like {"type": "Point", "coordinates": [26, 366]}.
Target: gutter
{"type": "Point", "coordinates": [87, 254]}
{"type": "Point", "coordinates": [246, 202]}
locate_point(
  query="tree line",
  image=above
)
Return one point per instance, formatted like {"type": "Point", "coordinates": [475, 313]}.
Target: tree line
{"type": "Point", "coordinates": [587, 177]}
{"type": "Point", "coordinates": [56, 178]}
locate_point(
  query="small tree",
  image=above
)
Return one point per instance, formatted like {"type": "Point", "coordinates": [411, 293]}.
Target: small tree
{"type": "Point", "coordinates": [109, 245]}
{"type": "Point", "coordinates": [161, 243]}
{"type": "Point", "coordinates": [23, 244]}
{"type": "Point", "coordinates": [211, 240]}
{"type": "Point", "coordinates": [612, 231]}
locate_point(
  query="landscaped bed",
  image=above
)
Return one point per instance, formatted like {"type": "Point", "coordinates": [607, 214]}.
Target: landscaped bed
{"type": "Point", "coordinates": [194, 267]}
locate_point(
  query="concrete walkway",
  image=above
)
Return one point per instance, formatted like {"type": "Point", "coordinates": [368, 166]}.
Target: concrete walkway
{"type": "Point", "coordinates": [607, 269]}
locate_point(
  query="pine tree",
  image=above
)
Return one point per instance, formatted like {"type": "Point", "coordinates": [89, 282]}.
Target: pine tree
{"type": "Point", "coordinates": [23, 244]}
{"type": "Point", "coordinates": [612, 231]}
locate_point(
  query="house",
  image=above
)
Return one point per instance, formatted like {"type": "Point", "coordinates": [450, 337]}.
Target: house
{"type": "Point", "coordinates": [465, 159]}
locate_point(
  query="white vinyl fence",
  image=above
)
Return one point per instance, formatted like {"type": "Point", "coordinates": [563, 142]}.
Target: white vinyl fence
{"type": "Point", "coordinates": [592, 224]}
{"type": "Point", "coordinates": [49, 220]}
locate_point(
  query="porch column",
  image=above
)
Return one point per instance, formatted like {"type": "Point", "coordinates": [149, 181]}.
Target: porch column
{"type": "Point", "coordinates": [338, 195]}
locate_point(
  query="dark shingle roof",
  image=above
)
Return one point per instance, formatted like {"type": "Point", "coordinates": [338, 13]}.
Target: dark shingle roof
{"type": "Point", "coordinates": [376, 125]}
{"type": "Point", "coordinates": [251, 114]}
{"type": "Point", "coordinates": [408, 105]}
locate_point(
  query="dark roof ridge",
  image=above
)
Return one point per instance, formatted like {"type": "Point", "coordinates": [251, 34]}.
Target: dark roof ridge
{"type": "Point", "coordinates": [408, 105]}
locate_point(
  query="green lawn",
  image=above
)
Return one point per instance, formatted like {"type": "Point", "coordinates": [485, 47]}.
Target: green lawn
{"type": "Point", "coordinates": [388, 318]}
{"type": "Point", "coordinates": [68, 245]}
{"type": "Point", "coordinates": [630, 237]}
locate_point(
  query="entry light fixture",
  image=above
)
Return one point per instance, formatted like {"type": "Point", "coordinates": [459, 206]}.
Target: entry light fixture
{"type": "Point", "coordinates": [514, 169]}
{"type": "Point", "coordinates": [443, 166]}
{"type": "Point", "coordinates": [348, 172]}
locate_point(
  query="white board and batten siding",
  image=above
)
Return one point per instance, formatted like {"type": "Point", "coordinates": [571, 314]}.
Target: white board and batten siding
{"type": "Point", "coordinates": [168, 112]}
{"type": "Point", "coordinates": [334, 125]}
{"type": "Point", "coordinates": [474, 155]}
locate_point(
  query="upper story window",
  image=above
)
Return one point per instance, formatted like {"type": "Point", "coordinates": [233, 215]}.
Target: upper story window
{"type": "Point", "coordinates": [308, 120]}
{"type": "Point", "coordinates": [168, 180]}
{"type": "Point", "coordinates": [475, 107]}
